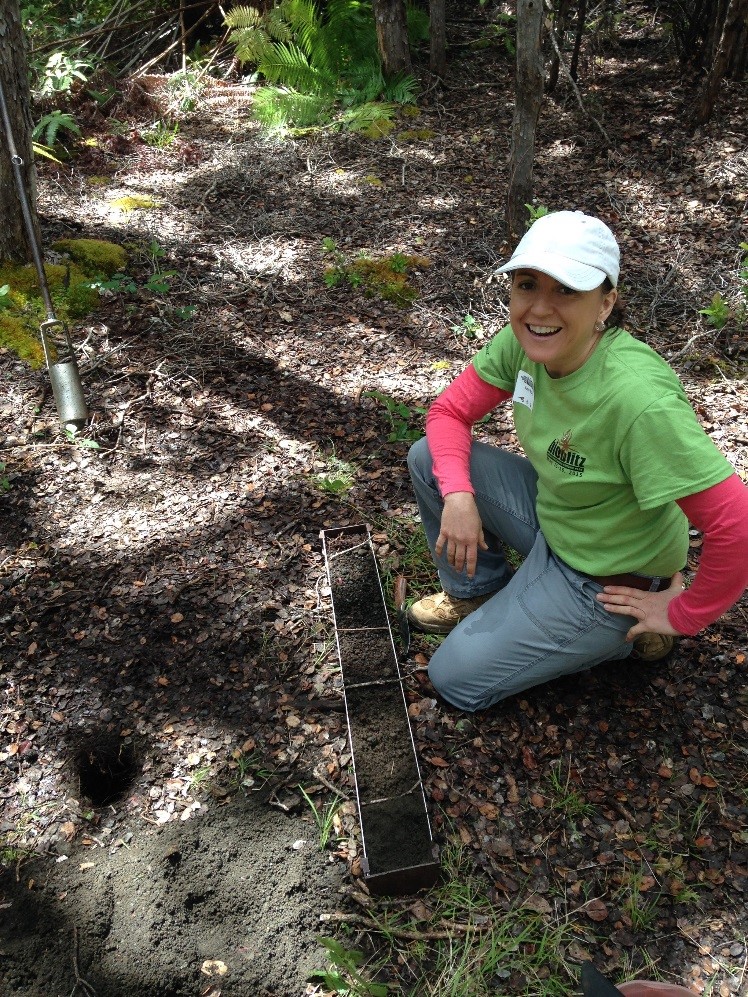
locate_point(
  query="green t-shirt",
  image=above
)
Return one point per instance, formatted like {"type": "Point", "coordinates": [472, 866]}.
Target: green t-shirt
{"type": "Point", "coordinates": [614, 444]}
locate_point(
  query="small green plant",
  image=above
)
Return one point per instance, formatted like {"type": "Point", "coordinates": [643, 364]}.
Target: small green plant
{"type": "Point", "coordinates": [564, 797]}
{"type": "Point", "coordinates": [5, 301]}
{"type": "Point", "coordinates": [324, 817]}
{"type": "Point", "coordinates": [718, 312]}
{"type": "Point", "coordinates": [248, 769]}
{"type": "Point", "coordinates": [343, 976]}
{"type": "Point", "coordinates": [160, 134]}
{"type": "Point", "coordinates": [61, 72]}
{"type": "Point", "coordinates": [4, 481]}
{"type": "Point", "coordinates": [199, 777]}
{"type": "Point", "coordinates": [535, 211]}
{"type": "Point", "coordinates": [400, 417]}
{"type": "Point", "coordinates": [47, 128]}
{"type": "Point", "coordinates": [337, 478]}
{"type": "Point", "coordinates": [73, 436]}
{"type": "Point", "coordinates": [469, 327]}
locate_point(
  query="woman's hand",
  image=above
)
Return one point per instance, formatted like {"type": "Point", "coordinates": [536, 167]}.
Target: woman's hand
{"type": "Point", "coordinates": [461, 532]}
{"type": "Point", "coordinates": [649, 608]}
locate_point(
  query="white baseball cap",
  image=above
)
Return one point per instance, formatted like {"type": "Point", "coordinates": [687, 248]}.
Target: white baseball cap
{"type": "Point", "coordinates": [576, 249]}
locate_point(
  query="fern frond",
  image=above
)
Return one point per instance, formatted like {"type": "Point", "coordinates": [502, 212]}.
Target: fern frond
{"type": "Point", "coordinates": [401, 90]}
{"type": "Point", "coordinates": [286, 64]}
{"type": "Point", "coordinates": [358, 118]}
{"type": "Point", "coordinates": [419, 26]}
{"type": "Point", "coordinates": [350, 32]}
{"type": "Point", "coordinates": [278, 109]}
{"type": "Point", "coordinates": [365, 80]}
{"type": "Point", "coordinates": [277, 26]}
{"type": "Point", "coordinates": [243, 17]}
{"type": "Point", "coordinates": [251, 44]}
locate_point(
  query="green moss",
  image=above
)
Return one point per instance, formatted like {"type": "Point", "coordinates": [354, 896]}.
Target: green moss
{"type": "Point", "coordinates": [69, 287]}
{"type": "Point", "coordinates": [137, 202]}
{"type": "Point", "coordinates": [410, 111]}
{"type": "Point", "coordinates": [96, 257]}
{"type": "Point", "coordinates": [16, 336]}
{"type": "Point", "coordinates": [416, 135]}
{"type": "Point", "coordinates": [387, 278]}
{"type": "Point", "coordinates": [378, 129]}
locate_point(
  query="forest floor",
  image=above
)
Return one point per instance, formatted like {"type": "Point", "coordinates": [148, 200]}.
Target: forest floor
{"type": "Point", "coordinates": [169, 674]}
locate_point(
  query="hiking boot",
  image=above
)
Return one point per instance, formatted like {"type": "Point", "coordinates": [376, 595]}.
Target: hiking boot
{"type": "Point", "coordinates": [440, 613]}
{"type": "Point", "coordinates": [652, 647]}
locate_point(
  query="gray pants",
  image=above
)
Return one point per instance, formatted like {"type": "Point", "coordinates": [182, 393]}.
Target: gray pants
{"type": "Point", "coordinates": [544, 620]}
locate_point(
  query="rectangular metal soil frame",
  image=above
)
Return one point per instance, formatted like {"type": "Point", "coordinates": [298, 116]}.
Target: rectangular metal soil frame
{"type": "Point", "coordinates": [391, 800]}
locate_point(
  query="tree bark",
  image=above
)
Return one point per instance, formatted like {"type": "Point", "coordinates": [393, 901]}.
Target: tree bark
{"type": "Point", "coordinates": [438, 38]}
{"type": "Point", "coordinates": [527, 101]}
{"type": "Point", "coordinates": [735, 19]}
{"type": "Point", "coordinates": [392, 33]}
{"type": "Point", "coordinates": [14, 76]}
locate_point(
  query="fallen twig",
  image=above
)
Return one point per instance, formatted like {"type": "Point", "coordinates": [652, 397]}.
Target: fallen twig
{"type": "Point", "coordinates": [407, 934]}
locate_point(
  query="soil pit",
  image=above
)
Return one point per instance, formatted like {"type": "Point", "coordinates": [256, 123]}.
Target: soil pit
{"type": "Point", "coordinates": [383, 753]}
{"type": "Point", "coordinates": [397, 836]}
{"type": "Point", "coordinates": [356, 590]}
{"type": "Point", "coordinates": [368, 656]}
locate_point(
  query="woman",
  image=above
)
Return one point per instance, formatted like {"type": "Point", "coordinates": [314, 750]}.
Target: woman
{"type": "Point", "coordinates": [616, 465]}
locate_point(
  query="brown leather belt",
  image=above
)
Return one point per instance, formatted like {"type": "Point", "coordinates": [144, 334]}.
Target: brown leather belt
{"type": "Point", "coordinates": [632, 581]}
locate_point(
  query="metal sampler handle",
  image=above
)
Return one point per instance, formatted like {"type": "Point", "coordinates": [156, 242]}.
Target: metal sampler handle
{"type": "Point", "coordinates": [58, 348]}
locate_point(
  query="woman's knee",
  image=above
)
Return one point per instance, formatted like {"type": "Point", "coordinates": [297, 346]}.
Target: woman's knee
{"type": "Point", "coordinates": [419, 459]}
{"type": "Point", "coordinates": [454, 679]}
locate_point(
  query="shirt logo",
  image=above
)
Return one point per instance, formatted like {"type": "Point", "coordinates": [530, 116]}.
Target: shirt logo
{"type": "Point", "coordinates": [565, 456]}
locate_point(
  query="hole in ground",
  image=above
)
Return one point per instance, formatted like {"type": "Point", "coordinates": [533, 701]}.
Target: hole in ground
{"type": "Point", "coordinates": [105, 766]}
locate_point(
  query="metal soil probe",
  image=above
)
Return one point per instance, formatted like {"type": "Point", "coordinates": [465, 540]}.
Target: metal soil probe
{"type": "Point", "coordinates": [58, 348]}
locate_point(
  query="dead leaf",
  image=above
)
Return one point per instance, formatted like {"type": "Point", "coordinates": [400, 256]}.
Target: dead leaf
{"type": "Point", "coordinates": [538, 904]}
{"type": "Point", "coordinates": [214, 967]}
{"type": "Point", "coordinates": [86, 865]}
{"type": "Point", "coordinates": [595, 910]}
{"type": "Point", "coordinates": [528, 758]}
{"type": "Point", "coordinates": [67, 830]}
{"type": "Point", "coordinates": [439, 762]}
{"type": "Point", "coordinates": [176, 617]}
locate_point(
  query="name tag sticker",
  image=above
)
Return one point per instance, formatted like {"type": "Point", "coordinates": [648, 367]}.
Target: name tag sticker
{"type": "Point", "coordinates": [524, 390]}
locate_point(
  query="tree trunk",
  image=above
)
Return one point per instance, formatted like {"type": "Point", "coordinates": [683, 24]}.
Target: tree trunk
{"type": "Point", "coordinates": [527, 101]}
{"type": "Point", "coordinates": [392, 33]}
{"type": "Point", "coordinates": [438, 37]}
{"type": "Point", "coordinates": [737, 13]}
{"type": "Point", "coordinates": [15, 81]}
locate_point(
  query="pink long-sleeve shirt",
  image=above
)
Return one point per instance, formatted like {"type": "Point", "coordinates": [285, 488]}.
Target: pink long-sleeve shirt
{"type": "Point", "coordinates": [720, 513]}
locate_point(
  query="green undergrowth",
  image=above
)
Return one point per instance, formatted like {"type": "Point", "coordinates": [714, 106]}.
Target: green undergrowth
{"type": "Point", "coordinates": [457, 941]}
{"type": "Point", "coordinates": [70, 282]}
{"type": "Point", "coordinates": [388, 277]}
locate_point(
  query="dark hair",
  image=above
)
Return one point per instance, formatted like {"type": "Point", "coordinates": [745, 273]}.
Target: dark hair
{"type": "Point", "coordinates": [618, 311]}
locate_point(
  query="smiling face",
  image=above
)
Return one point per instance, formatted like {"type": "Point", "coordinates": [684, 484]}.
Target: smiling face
{"type": "Point", "coordinates": [554, 324]}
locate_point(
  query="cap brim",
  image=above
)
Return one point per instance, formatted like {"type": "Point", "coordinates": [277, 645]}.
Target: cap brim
{"type": "Point", "coordinates": [578, 276]}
